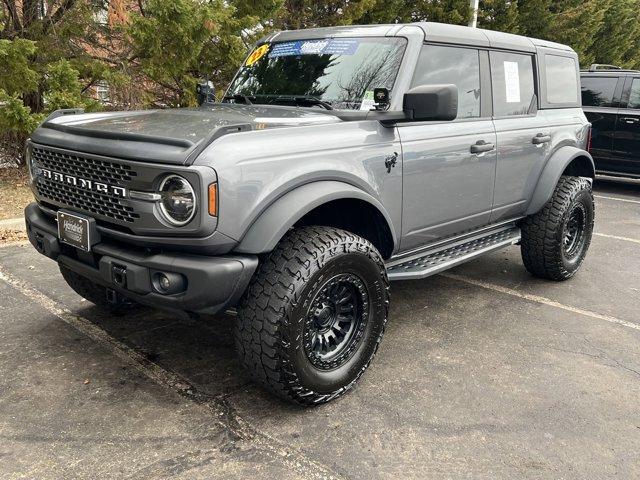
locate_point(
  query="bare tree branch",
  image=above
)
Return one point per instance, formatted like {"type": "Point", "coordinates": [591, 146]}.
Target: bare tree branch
{"type": "Point", "coordinates": [53, 19]}
{"type": "Point", "coordinates": [13, 13]}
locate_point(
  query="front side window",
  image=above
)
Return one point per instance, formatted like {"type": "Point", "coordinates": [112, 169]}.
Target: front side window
{"type": "Point", "coordinates": [513, 83]}
{"type": "Point", "coordinates": [340, 72]}
{"type": "Point", "coordinates": [561, 79]}
{"type": "Point", "coordinates": [598, 91]}
{"type": "Point", "coordinates": [452, 65]}
{"type": "Point", "coordinates": [634, 99]}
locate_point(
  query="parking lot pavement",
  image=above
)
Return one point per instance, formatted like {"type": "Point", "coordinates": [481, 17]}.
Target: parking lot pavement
{"type": "Point", "coordinates": [484, 372]}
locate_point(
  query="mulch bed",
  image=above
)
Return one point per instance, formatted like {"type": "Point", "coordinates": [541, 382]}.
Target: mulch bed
{"type": "Point", "coordinates": [15, 193]}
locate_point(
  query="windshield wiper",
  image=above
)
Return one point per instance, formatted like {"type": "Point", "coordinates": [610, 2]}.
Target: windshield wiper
{"type": "Point", "coordinates": [298, 100]}
{"type": "Point", "coordinates": [237, 97]}
{"type": "Point", "coordinates": [313, 101]}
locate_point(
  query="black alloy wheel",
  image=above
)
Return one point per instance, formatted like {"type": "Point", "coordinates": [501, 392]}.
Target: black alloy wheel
{"type": "Point", "coordinates": [574, 229]}
{"type": "Point", "coordinates": [336, 320]}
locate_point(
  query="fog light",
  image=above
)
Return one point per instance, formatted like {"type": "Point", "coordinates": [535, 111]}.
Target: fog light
{"type": "Point", "coordinates": [169, 283]}
{"type": "Point", "coordinates": [165, 283]}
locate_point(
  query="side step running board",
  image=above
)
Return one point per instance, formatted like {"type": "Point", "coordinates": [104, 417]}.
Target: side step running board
{"type": "Point", "coordinates": [441, 258]}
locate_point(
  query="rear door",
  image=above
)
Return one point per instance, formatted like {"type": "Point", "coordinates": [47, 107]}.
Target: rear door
{"type": "Point", "coordinates": [626, 143]}
{"type": "Point", "coordinates": [600, 102]}
{"type": "Point", "coordinates": [523, 133]}
{"type": "Point", "coordinates": [449, 167]}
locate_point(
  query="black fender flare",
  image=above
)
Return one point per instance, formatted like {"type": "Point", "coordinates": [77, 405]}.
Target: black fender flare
{"type": "Point", "coordinates": [551, 175]}
{"type": "Point", "coordinates": [266, 231]}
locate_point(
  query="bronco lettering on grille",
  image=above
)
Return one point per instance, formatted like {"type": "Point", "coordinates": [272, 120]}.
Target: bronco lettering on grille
{"type": "Point", "coordinates": [82, 183]}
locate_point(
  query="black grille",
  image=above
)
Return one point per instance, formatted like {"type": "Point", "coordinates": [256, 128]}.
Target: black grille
{"type": "Point", "coordinates": [92, 202]}
{"type": "Point", "coordinates": [90, 168]}
{"type": "Point", "coordinates": [67, 195]}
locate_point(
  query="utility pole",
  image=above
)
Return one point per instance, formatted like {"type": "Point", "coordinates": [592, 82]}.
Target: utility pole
{"type": "Point", "coordinates": [474, 14]}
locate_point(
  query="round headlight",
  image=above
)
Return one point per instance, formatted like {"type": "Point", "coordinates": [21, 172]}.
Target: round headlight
{"type": "Point", "coordinates": [30, 161]}
{"type": "Point", "coordinates": [178, 200]}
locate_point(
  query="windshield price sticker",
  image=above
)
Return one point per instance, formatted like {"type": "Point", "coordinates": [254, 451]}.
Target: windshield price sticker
{"type": "Point", "coordinates": [257, 54]}
{"type": "Point", "coordinates": [345, 46]}
{"type": "Point", "coordinates": [368, 102]}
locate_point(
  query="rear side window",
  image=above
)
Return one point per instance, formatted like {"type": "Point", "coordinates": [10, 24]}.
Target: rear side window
{"type": "Point", "coordinates": [561, 79]}
{"type": "Point", "coordinates": [445, 65]}
{"type": "Point", "coordinates": [598, 91]}
{"type": "Point", "coordinates": [513, 83]}
{"type": "Point", "coordinates": [634, 99]}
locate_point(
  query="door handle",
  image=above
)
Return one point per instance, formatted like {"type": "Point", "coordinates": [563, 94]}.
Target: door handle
{"type": "Point", "coordinates": [541, 138]}
{"type": "Point", "coordinates": [481, 147]}
{"type": "Point", "coordinates": [630, 120]}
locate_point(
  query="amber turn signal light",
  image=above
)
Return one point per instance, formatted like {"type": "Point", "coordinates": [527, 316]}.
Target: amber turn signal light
{"type": "Point", "coordinates": [213, 199]}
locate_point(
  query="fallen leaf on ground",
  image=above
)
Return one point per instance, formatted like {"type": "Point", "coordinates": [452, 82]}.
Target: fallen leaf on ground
{"type": "Point", "coordinates": [9, 236]}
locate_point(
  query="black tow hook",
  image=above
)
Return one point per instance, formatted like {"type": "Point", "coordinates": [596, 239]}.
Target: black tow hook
{"type": "Point", "coordinates": [113, 297]}
{"type": "Point", "coordinates": [119, 275]}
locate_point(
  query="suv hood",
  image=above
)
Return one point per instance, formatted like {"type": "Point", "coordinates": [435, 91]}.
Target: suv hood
{"type": "Point", "coordinates": [173, 136]}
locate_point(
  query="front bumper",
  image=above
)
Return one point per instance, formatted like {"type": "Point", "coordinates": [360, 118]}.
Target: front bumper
{"type": "Point", "coordinates": [212, 282]}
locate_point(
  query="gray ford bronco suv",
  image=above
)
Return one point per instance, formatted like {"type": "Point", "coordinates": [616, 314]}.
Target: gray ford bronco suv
{"type": "Point", "coordinates": [338, 160]}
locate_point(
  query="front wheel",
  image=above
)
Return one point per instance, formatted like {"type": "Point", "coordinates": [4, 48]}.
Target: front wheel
{"type": "Point", "coordinates": [314, 314]}
{"type": "Point", "coordinates": [556, 239]}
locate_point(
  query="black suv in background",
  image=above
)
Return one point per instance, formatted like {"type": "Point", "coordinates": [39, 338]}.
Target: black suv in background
{"type": "Point", "coordinates": [611, 102]}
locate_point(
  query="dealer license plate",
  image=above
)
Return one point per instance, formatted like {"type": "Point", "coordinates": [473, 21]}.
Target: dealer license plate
{"type": "Point", "coordinates": [74, 230]}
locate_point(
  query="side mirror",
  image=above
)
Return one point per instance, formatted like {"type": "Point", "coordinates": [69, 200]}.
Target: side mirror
{"type": "Point", "coordinates": [431, 102]}
{"type": "Point", "coordinates": [205, 92]}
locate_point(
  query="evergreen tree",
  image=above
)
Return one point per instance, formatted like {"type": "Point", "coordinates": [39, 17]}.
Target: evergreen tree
{"type": "Point", "coordinates": [297, 14]}
{"type": "Point", "coordinates": [576, 23]}
{"type": "Point", "coordinates": [632, 57]}
{"type": "Point", "coordinates": [500, 15]}
{"type": "Point", "coordinates": [60, 30]}
{"type": "Point", "coordinates": [616, 41]}
{"type": "Point", "coordinates": [174, 44]}
{"type": "Point", "coordinates": [34, 36]}
{"type": "Point", "coordinates": [535, 18]}
{"type": "Point", "coordinates": [444, 11]}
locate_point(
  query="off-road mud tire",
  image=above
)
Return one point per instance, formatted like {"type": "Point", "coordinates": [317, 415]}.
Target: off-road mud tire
{"type": "Point", "coordinates": [273, 318]}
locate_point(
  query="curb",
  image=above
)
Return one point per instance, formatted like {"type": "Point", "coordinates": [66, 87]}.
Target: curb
{"type": "Point", "coordinates": [13, 224]}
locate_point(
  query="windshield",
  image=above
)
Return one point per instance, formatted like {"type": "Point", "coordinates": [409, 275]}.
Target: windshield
{"type": "Point", "coordinates": [338, 73]}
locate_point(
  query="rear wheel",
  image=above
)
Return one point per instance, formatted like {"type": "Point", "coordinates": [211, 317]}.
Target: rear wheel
{"type": "Point", "coordinates": [556, 239]}
{"type": "Point", "coordinates": [314, 314]}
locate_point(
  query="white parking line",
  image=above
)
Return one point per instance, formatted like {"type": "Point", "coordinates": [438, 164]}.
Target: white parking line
{"type": "Point", "coordinates": [626, 239]}
{"type": "Point", "coordinates": [541, 300]}
{"type": "Point", "coordinates": [222, 412]}
{"type": "Point", "coordinates": [627, 200]}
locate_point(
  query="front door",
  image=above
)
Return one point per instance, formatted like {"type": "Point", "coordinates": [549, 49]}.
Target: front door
{"type": "Point", "coordinates": [626, 143]}
{"type": "Point", "coordinates": [448, 167]}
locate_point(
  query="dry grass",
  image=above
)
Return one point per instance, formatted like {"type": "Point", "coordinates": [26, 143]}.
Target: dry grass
{"type": "Point", "coordinates": [11, 236]}
{"type": "Point", "coordinates": [15, 193]}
